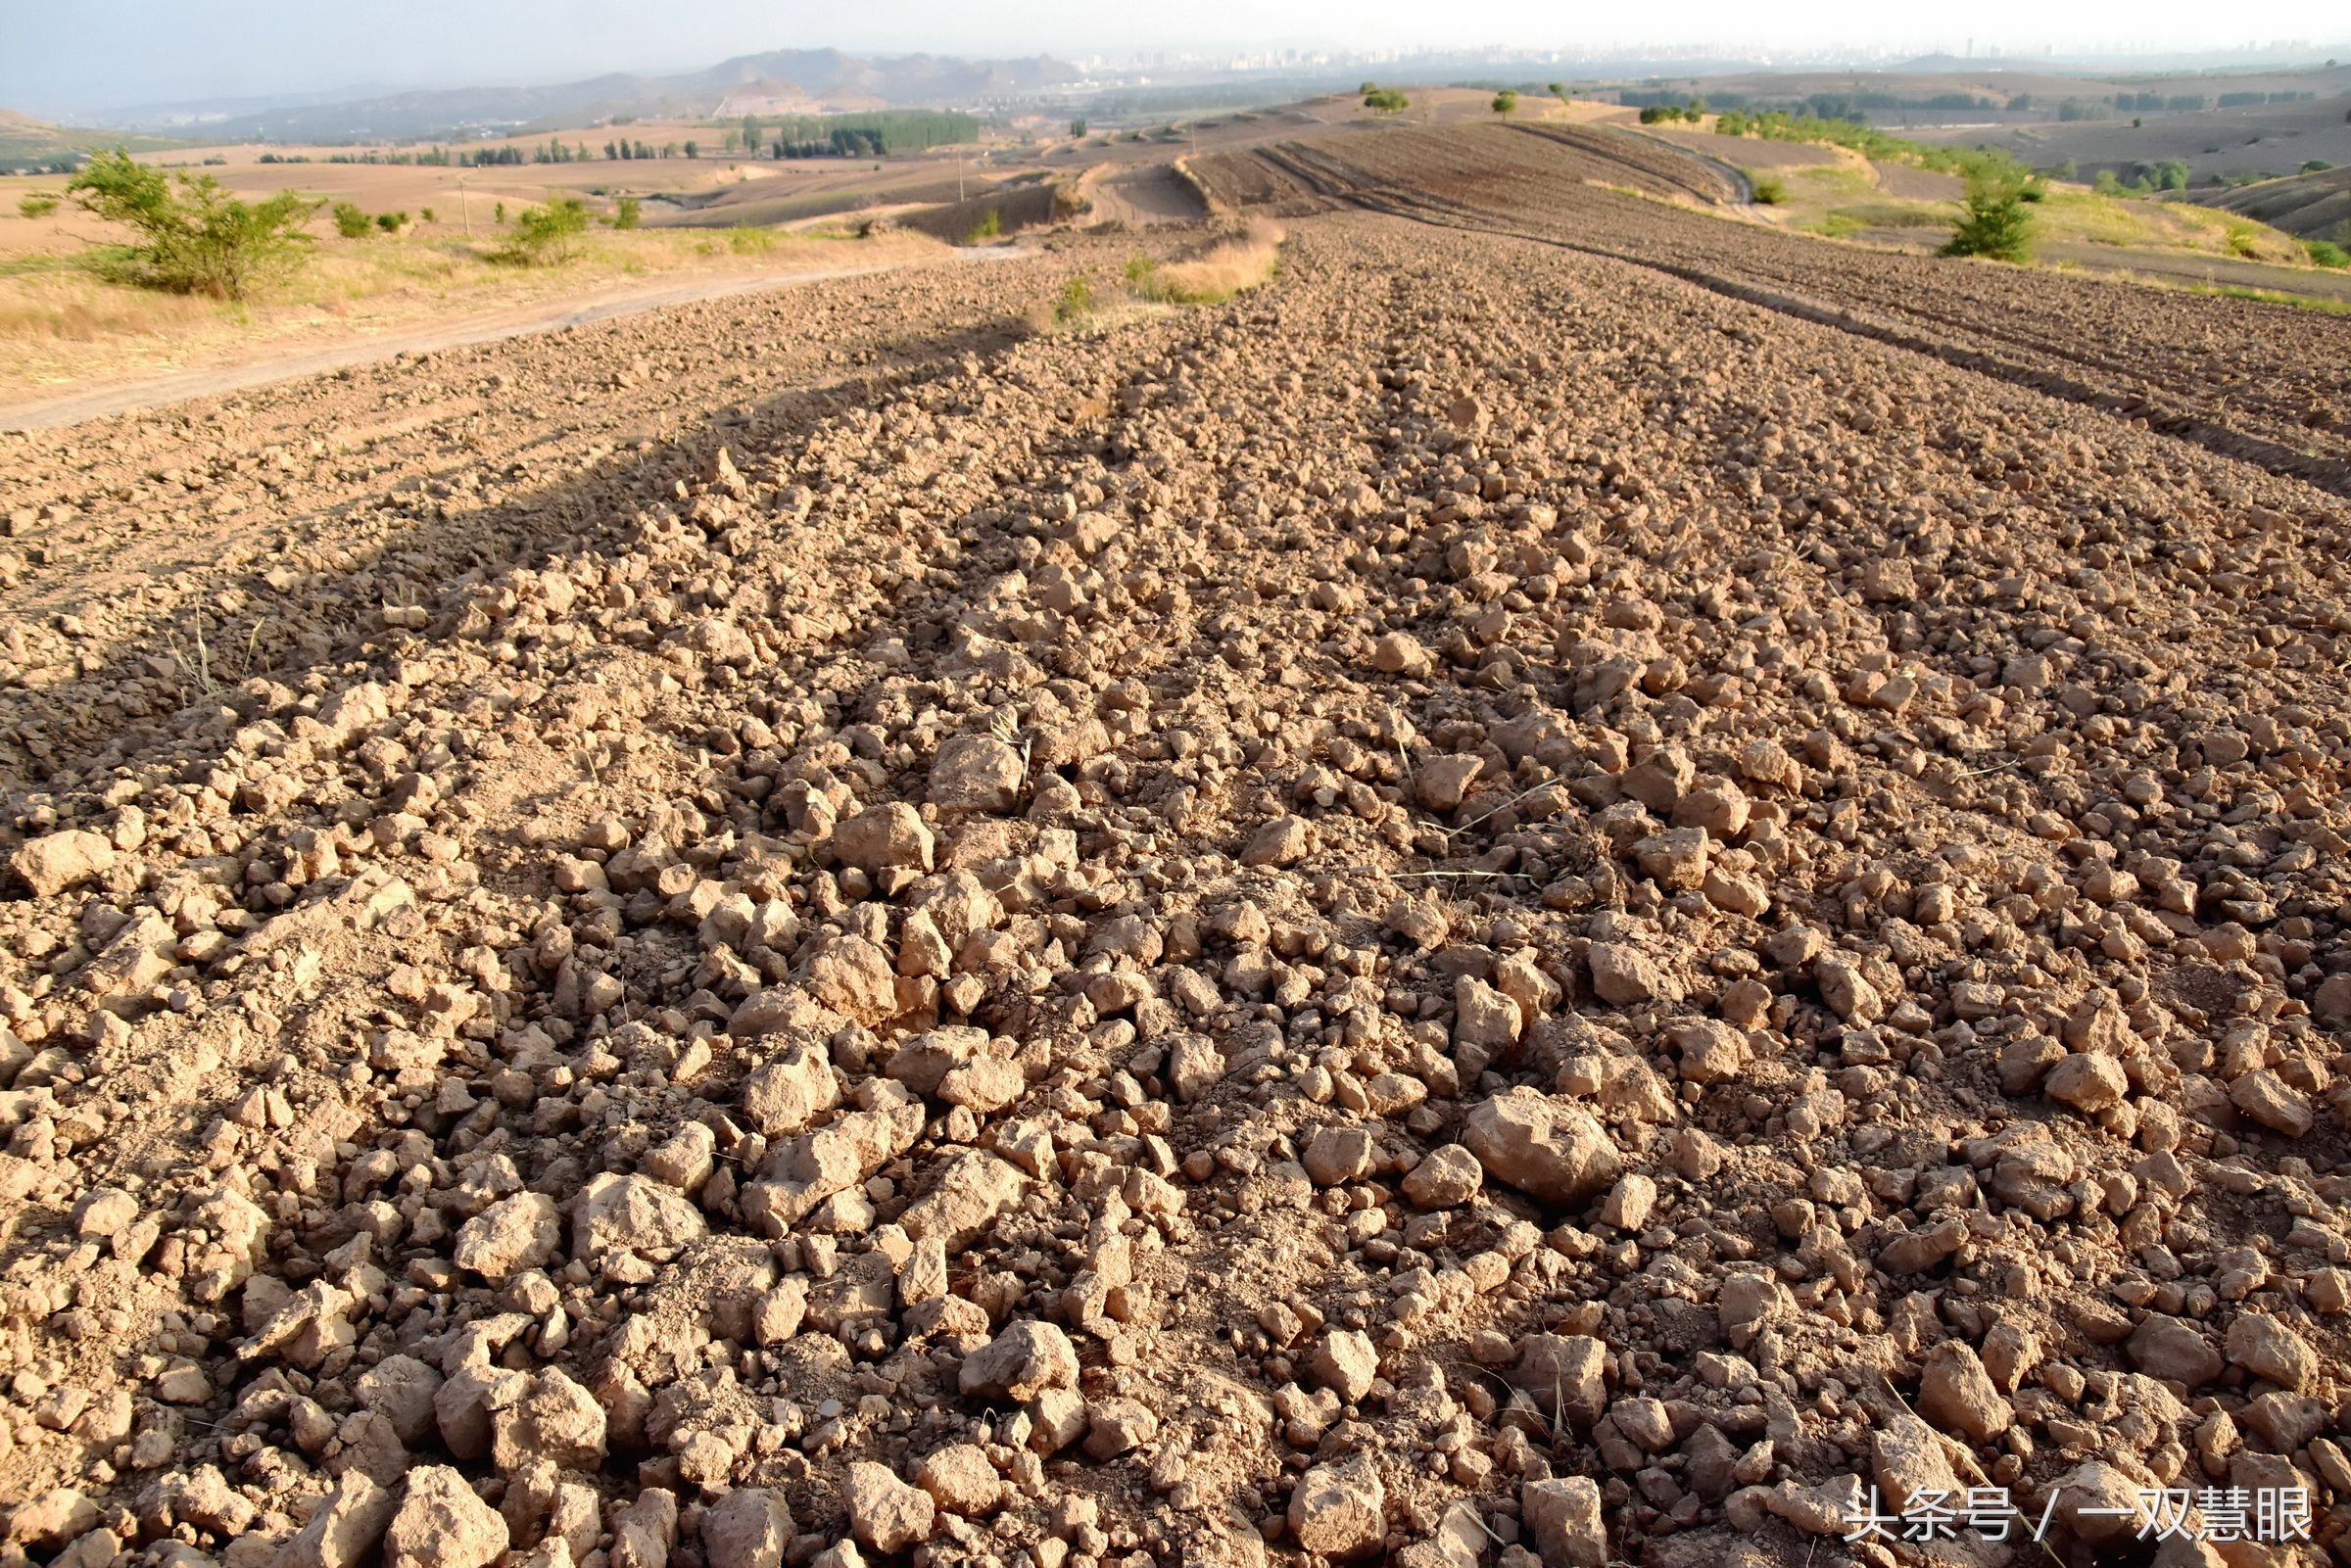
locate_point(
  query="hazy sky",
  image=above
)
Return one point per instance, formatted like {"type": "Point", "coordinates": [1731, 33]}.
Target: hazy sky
{"type": "Point", "coordinates": [88, 54]}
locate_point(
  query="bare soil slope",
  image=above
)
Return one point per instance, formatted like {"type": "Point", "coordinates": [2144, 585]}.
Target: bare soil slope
{"type": "Point", "coordinates": [2266, 383]}
{"type": "Point", "coordinates": [1495, 900]}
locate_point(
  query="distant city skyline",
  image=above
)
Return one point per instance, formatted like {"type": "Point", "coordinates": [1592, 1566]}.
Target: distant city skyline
{"type": "Point", "coordinates": [163, 51]}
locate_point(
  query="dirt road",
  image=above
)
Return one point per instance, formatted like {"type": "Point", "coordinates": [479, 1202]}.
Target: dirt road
{"type": "Point", "coordinates": [601, 305]}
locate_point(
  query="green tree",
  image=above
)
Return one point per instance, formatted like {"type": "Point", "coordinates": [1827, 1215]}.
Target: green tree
{"type": "Point", "coordinates": [694, 149]}
{"type": "Point", "coordinates": [1078, 126]}
{"type": "Point", "coordinates": [1386, 101]}
{"type": "Point", "coordinates": [195, 238]}
{"type": "Point", "coordinates": [499, 216]}
{"type": "Point", "coordinates": [1558, 90]}
{"type": "Point", "coordinates": [1995, 223]}
{"type": "Point", "coordinates": [750, 132]}
{"type": "Point", "coordinates": [1505, 102]}
{"type": "Point", "coordinates": [733, 141]}
{"type": "Point", "coordinates": [350, 222]}
{"type": "Point", "coordinates": [545, 234]}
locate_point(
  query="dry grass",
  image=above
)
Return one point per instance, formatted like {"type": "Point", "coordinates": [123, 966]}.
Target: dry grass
{"type": "Point", "coordinates": [62, 322]}
{"type": "Point", "coordinates": [1840, 196]}
{"type": "Point", "coordinates": [1230, 266]}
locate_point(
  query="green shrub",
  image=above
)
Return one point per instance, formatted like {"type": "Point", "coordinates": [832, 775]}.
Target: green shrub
{"type": "Point", "coordinates": [426, 215]}
{"type": "Point", "coordinates": [2325, 252]}
{"type": "Point", "coordinates": [351, 222]}
{"type": "Point", "coordinates": [2316, 166]}
{"type": "Point", "coordinates": [1386, 101]}
{"type": "Point", "coordinates": [1076, 301]}
{"type": "Point", "coordinates": [747, 241]}
{"type": "Point", "coordinates": [543, 235]}
{"type": "Point", "coordinates": [987, 229]}
{"type": "Point", "coordinates": [1078, 126]}
{"type": "Point", "coordinates": [1505, 102]}
{"type": "Point", "coordinates": [1771, 190]}
{"type": "Point", "coordinates": [39, 204]}
{"type": "Point", "coordinates": [1995, 223]}
{"type": "Point", "coordinates": [391, 222]}
{"type": "Point", "coordinates": [631, 213]}
{"type": "Point", "coordinates": [195, 238]}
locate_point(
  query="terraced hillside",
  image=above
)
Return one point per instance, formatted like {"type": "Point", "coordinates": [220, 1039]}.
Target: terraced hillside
{"type": "Point", "coordinates": [1562, 893]}
{"type": "Point", "coordinates": [2269, 383]}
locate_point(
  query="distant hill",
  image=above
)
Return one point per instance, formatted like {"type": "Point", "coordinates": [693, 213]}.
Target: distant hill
{"type": "Point", "coordinates": [815, 79]}
{"type": "Point", "coordinates": [30, 145]}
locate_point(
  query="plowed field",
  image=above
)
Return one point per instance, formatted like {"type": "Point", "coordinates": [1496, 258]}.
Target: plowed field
{"type": "Point", "coordinates": [1573, 884]}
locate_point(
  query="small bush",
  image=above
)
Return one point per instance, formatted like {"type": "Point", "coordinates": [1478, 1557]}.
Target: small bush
{"type": "Point", "coordinates": [747, 241]}
{"type": "Point", "coordinates": [351, 222]}
{"type": "Point", "coordinates": [2316, 166]}
{"type": "Point", "coordinates": [987, 229]}
{"type": "Point", "coordinates": [41, 204]}
{"type": "Point", "coordinates": [195, 238]}
{"type": "Point", "coordinates": [499, 215]}
{"type": "Point", "coordinates": [631, 213]}
{"type": "Point", "coordinates": [1995, 223]}
{"type": "Point", "coordinates": [2325, 252]}
{"type": "Point", "coordinates": [1386, 101]}
{"type": "Point", "coordinates": [391, 222]}
{"type": "Point", "coordinates": [1505, 102]}
{"type": "Point", "coordinates": [1771, 190]}
{"type": "Point", "coordinates": [1076, 301]}
{"type": "Point", "coordinates": [1236, 264]}
{"type": "Point", "coordinates": [543, 235]}
{"type": "Point", "coordinates": [426, 215]}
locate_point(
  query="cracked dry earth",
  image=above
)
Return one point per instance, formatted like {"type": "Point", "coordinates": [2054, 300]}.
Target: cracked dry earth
{"type": "Point", "coordinates": [1485, 906]}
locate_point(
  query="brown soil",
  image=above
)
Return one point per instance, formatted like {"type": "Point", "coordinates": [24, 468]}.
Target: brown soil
{"type": "Point", "coordinates": [239, 372]}
{"type": "Point", "coordinates": [1568, 892]}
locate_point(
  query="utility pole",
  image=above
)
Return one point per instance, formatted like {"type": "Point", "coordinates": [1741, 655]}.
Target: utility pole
{"type": "Point", "coordinates": [464, 213]}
